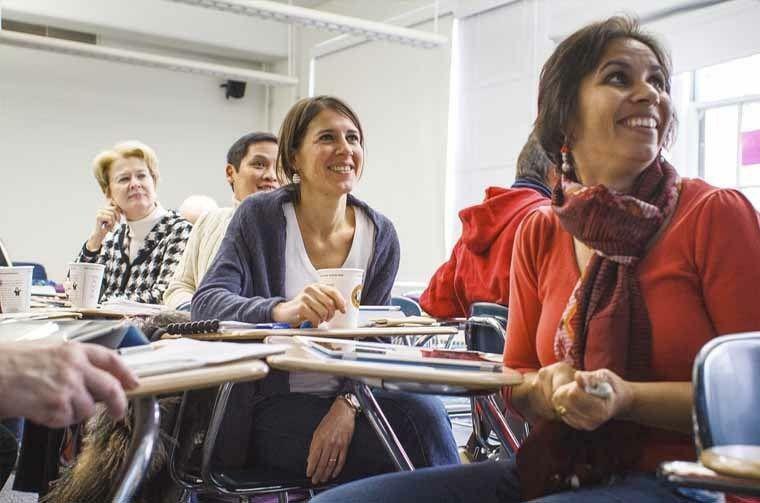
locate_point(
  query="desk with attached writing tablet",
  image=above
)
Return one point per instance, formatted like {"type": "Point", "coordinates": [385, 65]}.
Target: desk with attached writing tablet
{"type": "Point", "coordinates": [414, 378]}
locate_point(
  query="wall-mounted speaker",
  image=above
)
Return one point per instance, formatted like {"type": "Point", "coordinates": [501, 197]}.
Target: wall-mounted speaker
{"type": "Point", "coordinates": [233, 89]}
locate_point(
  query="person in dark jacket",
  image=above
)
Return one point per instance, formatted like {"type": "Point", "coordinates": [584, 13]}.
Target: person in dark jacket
{"type": "Point", "coordinates": [478, 270]}
{"type": "Point", "coordinates": [266, 270]}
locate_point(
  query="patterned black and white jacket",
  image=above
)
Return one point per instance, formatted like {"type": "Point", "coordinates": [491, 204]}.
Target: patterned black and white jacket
{"type": "Point", "coordinates": [145, 278]}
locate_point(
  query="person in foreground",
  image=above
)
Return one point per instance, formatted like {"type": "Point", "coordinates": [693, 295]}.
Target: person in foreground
{"type": "Point", "coordinates": [250, 169]}
{"type": "Point", "coordinates": [303, 424]}
{"type": "Point", "coordinates": [618, 284]}
{"type": "Point", "coordinates": [478, 270]}
{"type": "Point", "coordinates": [139, 242]}
{"type": "Point", "coordinates": [58, 385]}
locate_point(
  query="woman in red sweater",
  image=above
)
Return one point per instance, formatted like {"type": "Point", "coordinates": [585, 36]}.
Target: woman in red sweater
{"type": "Point", "coordinates": [614, 289]}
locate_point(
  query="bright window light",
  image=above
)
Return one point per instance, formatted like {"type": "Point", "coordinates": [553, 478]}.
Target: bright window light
{"type": "Point", "coordinates": [454, 132]}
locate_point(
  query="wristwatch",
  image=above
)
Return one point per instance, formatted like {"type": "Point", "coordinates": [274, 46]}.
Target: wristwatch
{"type": "Point", "coordinates": [352, 402]}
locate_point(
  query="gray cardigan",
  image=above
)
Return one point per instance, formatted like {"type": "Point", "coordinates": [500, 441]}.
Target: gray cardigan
{"type": "Point", "coordinates": [247, 278]}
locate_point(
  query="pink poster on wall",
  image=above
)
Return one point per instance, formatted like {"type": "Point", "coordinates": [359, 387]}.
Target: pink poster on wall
{"type": "Point", "coordinates": [750, 148]}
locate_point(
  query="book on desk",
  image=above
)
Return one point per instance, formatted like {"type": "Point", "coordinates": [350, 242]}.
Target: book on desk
{"type": "Point", "coordinates": [400, 354]}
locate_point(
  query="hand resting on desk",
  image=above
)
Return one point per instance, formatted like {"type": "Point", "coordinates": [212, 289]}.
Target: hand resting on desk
{"type": "Point", "coordinates": [59, 385]}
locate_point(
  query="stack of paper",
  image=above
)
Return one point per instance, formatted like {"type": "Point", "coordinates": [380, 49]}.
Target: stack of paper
{"type": "Point", "coordinates": [40, 314]}
{"type": "Point", "coordinates": [172, 355]}
{"type": "Point", "coordinates": [104, 332]}
{"type": "Point", "coordinates": [132, 308]}
{"type": "Point", "coordinates": [405, 321]}
{"type": "Point", "coordinates": [367, 314]}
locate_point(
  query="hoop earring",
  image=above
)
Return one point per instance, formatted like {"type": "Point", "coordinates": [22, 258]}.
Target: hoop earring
{"type": "Point", "coordinates": [566, 166]}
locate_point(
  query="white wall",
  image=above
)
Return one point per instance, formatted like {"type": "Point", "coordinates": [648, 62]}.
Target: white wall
{"type": "Point", "coordinates": [401, 96]}
{"type": "Point", "coordinates": [499, 53]}
{"type": "Point", "coordinates": [503, 47]}
{"type": "Point", "coordinates": [58, 111]}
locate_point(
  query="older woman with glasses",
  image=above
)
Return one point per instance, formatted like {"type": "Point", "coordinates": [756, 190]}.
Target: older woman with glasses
{"type": "Point", "coordinates": [139, 242]}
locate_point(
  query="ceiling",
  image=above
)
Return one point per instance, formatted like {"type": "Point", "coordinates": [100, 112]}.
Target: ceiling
{"type": "Point", "coordinates": [163, 26]}
{"type": "Point", "coordinates": [309, 4]}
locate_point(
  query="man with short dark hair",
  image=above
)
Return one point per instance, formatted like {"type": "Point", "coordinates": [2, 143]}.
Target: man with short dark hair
{"type": "Point", "coordinates": [478, 270]}
{"type": "Point", "coordinates": [250, 168]}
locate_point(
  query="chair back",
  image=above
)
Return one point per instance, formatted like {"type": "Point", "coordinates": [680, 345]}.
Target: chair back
{"type": "Point", "coordinates": [727, 391]}
{"type": "Point", "coordinates": [5, 257]}
{"type": "Point", "coordinates": [38, 274]}
{"type": "Point", "coordinates": [407, 305]}
{"type": "Point", "coordinates": [486, 326]}
{"type": "Point", "coordinates": [414, 295]}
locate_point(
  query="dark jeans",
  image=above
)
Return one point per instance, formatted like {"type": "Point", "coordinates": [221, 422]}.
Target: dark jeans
{"type": "Point", "coordinates": [284, 424]}
{"type": "Point", "coordinates": [8, 452]}
{"type": "Point", "coordinates": [490, 482]}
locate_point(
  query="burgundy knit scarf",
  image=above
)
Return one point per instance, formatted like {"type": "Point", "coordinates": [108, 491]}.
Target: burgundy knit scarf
{"type": "Point", "coordinates": [605, 323]}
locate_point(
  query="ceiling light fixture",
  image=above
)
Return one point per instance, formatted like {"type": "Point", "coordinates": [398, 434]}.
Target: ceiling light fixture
{"type": "Point", "coordinates": [143, 59]}
{"type": "Point", "coordinates": [273, 11]}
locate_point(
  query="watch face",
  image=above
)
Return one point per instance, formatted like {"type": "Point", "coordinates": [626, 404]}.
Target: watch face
{"type": "Point", "coordinates": [351, 398]}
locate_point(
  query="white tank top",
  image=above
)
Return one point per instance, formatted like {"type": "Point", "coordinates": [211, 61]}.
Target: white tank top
{"type": "Point", "coordinates": [299, 272]}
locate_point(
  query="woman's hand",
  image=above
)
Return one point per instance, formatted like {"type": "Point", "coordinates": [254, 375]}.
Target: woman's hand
{"type": "Point", "coordinates": [105, 220]}
{"type": "Point", "coordinates": [534, 398]}
{"type": "Point", "coordinates": [585, 411]}
{"type": "Point", "coordinates": [329, 444]}
{"type": "Point", "coordinates": [315, 303]}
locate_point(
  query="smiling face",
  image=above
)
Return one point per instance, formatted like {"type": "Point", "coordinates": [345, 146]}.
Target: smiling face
{"type": "Point", "coordinates": [624, 115]}
{"type": "Point", "coordinates": [131, 187]}
{"type": "Point", "coordinates": [256, 171]}
{"type": "Point", "coordinates": [330, 157]}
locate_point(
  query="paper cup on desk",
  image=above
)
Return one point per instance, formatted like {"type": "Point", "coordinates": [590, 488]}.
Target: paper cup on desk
{"type": "Point", "coordinates": [15, 289]}
{"type": "Point", "coordinates": [84, 284]}
{"type": "Point", "coordinates": [349, 283]}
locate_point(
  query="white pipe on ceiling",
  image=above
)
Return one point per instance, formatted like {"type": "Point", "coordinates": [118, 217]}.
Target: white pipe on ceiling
{"type": "Point", "coordinates": [273, 11]}
{"type": "Point", "coordinates": [143, 59]}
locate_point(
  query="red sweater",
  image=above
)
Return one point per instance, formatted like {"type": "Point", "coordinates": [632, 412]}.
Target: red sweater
{"type": "Point", "coordinates": [478, 270]}
{"type": "Point", "coordinates": [698, 281]}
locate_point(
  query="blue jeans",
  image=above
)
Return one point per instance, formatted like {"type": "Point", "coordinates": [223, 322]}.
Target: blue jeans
{"type": "Point", "coordinates": [284, 424]}
{"type": "Point", "coordinates": [488, 482]}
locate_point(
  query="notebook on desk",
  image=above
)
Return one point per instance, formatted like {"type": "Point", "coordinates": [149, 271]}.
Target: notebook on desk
{"type": "Point", "coordinates": [397, 353]}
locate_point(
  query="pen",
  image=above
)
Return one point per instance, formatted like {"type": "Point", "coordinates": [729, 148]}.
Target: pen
{"type": "Point", "coordinates": [139, 349]}
{"type": "Point", "coordinates": [134, 349]}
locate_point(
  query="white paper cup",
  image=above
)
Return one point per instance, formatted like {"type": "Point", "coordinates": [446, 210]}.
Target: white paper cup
{"type": "Point", "coordinates": [349, 283]}
{"type": "Point", "coordinates": [84, 284]}
{"type": "Point", "coordinates": [15, 288]}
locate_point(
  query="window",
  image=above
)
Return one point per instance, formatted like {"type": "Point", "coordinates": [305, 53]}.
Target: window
{"type": "Point", "coordinates": [728, 96]}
